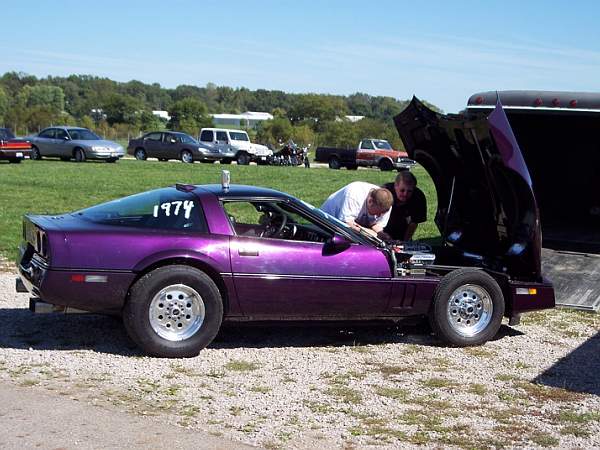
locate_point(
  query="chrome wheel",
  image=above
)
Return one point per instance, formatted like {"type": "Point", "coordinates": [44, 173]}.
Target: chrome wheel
{"type": "Point", "coordinates": [177, 312]}
{"type": "Point", "coordinates": [187, 157]}
{"type": "Point", "coordinates": [140, 154]}
{"type": "Point", "coordinates": [469, 310]}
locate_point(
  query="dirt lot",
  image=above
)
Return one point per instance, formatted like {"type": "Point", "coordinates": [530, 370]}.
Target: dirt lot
{"type": "Point", "coordinates": [536, 385]}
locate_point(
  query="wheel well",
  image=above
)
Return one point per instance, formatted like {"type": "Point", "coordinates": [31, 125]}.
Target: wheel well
{"type": "Point", "coordinates": [140, 148]}
{"type": "Point", "coordinates": [213, 274]}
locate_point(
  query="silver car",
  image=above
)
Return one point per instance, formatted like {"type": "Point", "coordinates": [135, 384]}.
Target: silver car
{"type": "Point", "coordinates": [73, 142]}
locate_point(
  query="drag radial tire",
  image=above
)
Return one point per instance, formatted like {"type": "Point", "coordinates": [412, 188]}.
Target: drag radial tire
{"type": "Point", "coordinates": [173, 311]}
{"type": "Point", "coordinates": [467, 308]}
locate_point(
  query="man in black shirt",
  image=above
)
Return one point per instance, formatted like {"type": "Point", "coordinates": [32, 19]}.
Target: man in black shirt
{"type": "Point", "coordinates": [409, 209]}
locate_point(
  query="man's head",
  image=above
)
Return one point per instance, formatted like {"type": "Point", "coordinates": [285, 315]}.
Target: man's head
{"type": "Point", "coordinates": [379, 201]}
{"type": "Point", "coordinates": [404, 186]}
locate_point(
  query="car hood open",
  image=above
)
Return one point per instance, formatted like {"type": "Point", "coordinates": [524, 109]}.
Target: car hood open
{"type": "Point", "coordinates": [486, 207]}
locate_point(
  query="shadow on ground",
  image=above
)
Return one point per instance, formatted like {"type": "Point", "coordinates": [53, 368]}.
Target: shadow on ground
{"type": "Point", "coordinates": [24, 330]}
{"type": "Point", "coordinates": [579, 371]}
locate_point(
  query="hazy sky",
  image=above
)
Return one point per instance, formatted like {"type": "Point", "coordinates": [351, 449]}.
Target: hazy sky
{"type": "Point", "coordinates": [439, 51]}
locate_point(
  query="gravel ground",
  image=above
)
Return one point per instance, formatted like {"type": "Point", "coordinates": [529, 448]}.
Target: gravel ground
{"type": "Point", "coordinates": [536, 385]}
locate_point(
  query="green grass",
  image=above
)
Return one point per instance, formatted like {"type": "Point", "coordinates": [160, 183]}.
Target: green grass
{"type": "Point", "coordinates": [50, 186]}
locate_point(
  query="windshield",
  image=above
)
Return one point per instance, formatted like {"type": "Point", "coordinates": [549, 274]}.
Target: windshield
{"type": "Point", "coordinates": [83, 135]}
{"type": "Point", "coordinates": [236, 136]}
{"type": "Point", "coordinates": [187, 139]}
{"type": "Point", "coordinates": [322, 214]}
{"type": "Point", "coordinates": [6, 134]}
{"type": "Point", "coordinates": [382, 145]}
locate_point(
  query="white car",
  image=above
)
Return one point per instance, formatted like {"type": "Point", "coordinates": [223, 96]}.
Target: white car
{"type": "Point", "coordinates": [232, 145]}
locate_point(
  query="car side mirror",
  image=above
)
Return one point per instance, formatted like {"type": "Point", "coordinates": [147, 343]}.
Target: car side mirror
{"type": "Point", "coordinates": [336, 244]}
{"type": "Point", "coordinates": [172, 140]}
{"type": "Point", "coordinates": [66, 138]}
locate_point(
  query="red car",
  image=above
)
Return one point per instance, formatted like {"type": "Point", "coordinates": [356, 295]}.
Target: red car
{"type": "Point", "coordinates": [12, 148]}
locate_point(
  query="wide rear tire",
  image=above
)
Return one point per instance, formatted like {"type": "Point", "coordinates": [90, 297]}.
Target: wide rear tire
{"type": "Point", "coordinates": [467, 308]}
{"type": "Point", "coordinates": [173, 312]}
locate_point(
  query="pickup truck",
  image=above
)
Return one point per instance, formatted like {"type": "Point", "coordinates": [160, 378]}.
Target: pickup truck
{"type": "Point", "coordinates": [12, 148]}
{"type": "Point", "coordinates": [369, 153]}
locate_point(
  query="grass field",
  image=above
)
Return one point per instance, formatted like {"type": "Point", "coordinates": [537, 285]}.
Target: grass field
{"type": "Point", "coordinates": [49, 187]}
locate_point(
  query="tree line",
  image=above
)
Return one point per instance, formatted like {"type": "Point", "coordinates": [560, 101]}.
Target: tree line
{"type": "Point", "coordinates": [116, 109]}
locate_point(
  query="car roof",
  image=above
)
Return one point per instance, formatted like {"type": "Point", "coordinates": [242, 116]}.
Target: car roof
{"type": "Point", "coordinates": [241, 190]}
{"type": "Point", "coordinates": [224, 129]}
{"type": "Point", "coordinates": [65, 127]}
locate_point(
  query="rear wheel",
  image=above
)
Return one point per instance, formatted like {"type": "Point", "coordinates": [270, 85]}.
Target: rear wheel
{"type": "Point", "coordinates": [140, 154]}
{"type": "Point", "coordinates": [173, 311]}
{"type": "Point", "coordinates": [467, 308]}
{"type": "Point", "coordinates": [187, 157]}
{"type": "Point", "coordinates": [35, 153]}
{"type": "Point", "coordinates": [334, 163]}
{"type": "Point", "coordinates": [79, 155]}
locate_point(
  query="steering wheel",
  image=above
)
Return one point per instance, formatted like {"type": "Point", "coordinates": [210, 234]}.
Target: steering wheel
{"type": "Point", "coordinates": [272, 229]}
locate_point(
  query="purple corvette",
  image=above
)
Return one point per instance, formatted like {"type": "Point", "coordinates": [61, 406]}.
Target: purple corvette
{"type": "Point", "coordinates": [177, 262]}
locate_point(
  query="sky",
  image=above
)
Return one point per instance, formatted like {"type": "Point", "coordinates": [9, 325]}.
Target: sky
{"type": "Point", "coordinates": [440, 51]}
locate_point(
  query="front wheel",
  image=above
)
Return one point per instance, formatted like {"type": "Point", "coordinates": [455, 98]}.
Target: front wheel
{"type": "Point", "coordinates": [173, 312]}
{"type": "Point", "coordinates": [467, 308]}
{"type": "Point", "coordinates": [79, 155]}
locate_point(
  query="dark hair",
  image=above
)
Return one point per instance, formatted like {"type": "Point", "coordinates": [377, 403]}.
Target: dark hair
{"type": "Point", "coordinates": [407, 177]}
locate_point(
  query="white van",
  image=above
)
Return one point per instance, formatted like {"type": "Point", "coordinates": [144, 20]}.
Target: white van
{"type": "Point", "coordinates": [233, 145]}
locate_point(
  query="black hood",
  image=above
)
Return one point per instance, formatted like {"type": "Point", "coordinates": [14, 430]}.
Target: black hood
{"type": "Point", "coordinates": [486, 206]}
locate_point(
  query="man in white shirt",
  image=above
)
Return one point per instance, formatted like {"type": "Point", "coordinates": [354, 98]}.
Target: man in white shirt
{"type": "Point", "coordinates": [361, 205]}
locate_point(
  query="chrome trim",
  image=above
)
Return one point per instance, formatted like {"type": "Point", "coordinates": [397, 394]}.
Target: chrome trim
{"type": "Point", "coordinates": [534, 108]}
{"type": "Point", "coordinates": [271, 276]}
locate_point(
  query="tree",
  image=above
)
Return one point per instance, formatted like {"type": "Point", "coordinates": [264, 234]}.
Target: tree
{"type": "Point", "coordinates": [50, 97]}
{"type": "Point", "coordinates": [150, 122]}
{"type": "Point", "coordinates": [3, 104]}
{"type": "Point", "coordinates": [317, 108]}
{"type": "Point", "coordinates": [189, 114]}
{"type": "Point", "coordinates": [121, 109]}
{"type": "Point", "coordinates": [274, 131]}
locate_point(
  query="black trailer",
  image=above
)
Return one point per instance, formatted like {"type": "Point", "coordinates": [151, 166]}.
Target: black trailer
{"type": "Point", "coordinates": [559, 136]}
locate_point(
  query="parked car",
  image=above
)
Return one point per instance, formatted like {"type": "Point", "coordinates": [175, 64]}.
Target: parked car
{"type": "Point", "coordinates": [74, 143]}
{"type": "Point", "coordinates": [177, 261]}
{"type": "Point", "coordinates": [234, 145]}
{"type": "Point", "coordinates": [13, 149]}
{"type": "Point", "coordinates": [166, 145]}
{"type": "Point", "coordinates": [368, 153]}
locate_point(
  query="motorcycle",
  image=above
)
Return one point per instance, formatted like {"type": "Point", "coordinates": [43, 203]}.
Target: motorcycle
{"type": "Point", "coordinates": [291, 155]}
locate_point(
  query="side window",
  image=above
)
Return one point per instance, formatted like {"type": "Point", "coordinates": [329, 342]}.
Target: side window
{"type": "Point", "coordinates": [206, 136]}
{"type": "Point", "coordinates": [165, 209]}
{"type": "Point", "coordinates": [60, 134]}
{"type": "Point", "coordinates": [367, 145]}
{"type": "Point", "coordinates": [222, 136]}
{"type": "Point", "coordinates": [153, 136]}
{"type": "Point", "coordinates": [274, 220]}
{"type": "Point", "coordinates": [49, 134]}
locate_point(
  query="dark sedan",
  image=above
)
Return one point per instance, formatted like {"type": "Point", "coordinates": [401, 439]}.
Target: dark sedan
{"type": "Point", "coordinates": [177, 262]}
{"type": "Point", "coordinates": [166, 145]}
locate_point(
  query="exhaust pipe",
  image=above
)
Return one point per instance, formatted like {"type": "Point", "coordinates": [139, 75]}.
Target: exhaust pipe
{"type": "Point", "coordinates": [39, 306]}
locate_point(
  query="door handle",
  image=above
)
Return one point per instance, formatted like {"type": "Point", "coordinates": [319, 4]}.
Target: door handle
{"type": "Point", "coordinates": [248, 252]}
